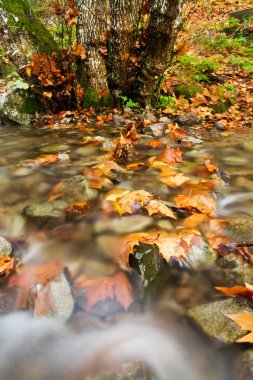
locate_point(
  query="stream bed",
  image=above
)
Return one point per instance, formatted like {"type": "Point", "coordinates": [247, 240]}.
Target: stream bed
{"type": "Point", "coordinates": [95, 335]}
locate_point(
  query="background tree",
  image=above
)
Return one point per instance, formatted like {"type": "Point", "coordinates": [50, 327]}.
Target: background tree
{"type": "Point", "coordinates": [128, 44]}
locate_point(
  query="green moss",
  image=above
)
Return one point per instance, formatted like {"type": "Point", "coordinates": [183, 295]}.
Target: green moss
{"type": "Point", "coordinates": [30, 105]}
{"type": "Point", "coordinates": [5, 67]}
{"type": "Point", "coordinates": [92, 99]}
{"type": "Point", "coordinates": [22, 17]}
{"type": "Point", "coordinates": [189, 91]}
{"type": "Point", "coordinates": [220, 107]}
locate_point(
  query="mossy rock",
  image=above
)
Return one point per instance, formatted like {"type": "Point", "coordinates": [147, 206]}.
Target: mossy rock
{"type": "Point", "coordinates": [189, 91]}
{"type": "Point", "coordinates": [5, 67]}
{"type": "Point", "coordinates": [92, 99]}
{"type": "Point", "coordinates": [18, 106]}
{"type": "Point", "coordinates": [220, 107]}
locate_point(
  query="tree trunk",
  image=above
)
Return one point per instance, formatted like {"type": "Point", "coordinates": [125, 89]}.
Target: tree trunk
{"type": "Point", "coordinates": [22, 33]}
{"type": "Point", "coordinates": [91, 29]}
{"type": "Point", "coordinates": [140, 44]}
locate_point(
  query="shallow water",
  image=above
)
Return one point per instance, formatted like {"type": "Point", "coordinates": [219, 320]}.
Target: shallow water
{"type": "Point", "coordinates": [152, 333]}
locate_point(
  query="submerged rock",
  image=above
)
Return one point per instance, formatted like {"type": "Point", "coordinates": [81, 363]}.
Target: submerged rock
{"type": "Point", "coordinates": [53, 209]}
{"type": "Point", "coordinates": [241, 227]}
{"type": "Point", "coordinates": [128, 224]}
{"type": "Point", "coordinates": [211, 319]}
{"type": "Point", "coordinates": [129, 371]}
{"type": "Point", "coordinates": [245, 366]}
{"type": "Point", "coordinates": [18, 106]}
{"type": "Point", "coordinates": [5, 247]}
{"type": "Point", "coordinates": [53, 300]}
{"type": "Point", "coordinates": [77, 189]}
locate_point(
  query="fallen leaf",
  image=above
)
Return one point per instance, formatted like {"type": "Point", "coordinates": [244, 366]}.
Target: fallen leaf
{"type": "Point", "coordinates": [7, 266]}
{"type": "Point", "coordinates": [116, 287]}
{"type": "Point", "coordinates": [210, 166]}
{"type": "Point", "coordinates": [171, 156]}
{"type": "Point", "coordinates": [245, 291]}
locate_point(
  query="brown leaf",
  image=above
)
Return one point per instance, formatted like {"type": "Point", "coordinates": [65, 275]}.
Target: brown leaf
{"type": "Point", "coordinates": [171, 156]}
{"type": "Point", "coordinates": [203, 203]}
{"type": "Point", "coordinates": [79, 51]}
{"type": "Point", "coordinates": [116, 287]}
{"type": "Point", "coordinates": [245, 291]}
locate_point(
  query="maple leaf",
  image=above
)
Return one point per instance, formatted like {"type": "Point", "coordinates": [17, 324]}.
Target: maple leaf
{"type": "Point", "coordinates": [210, 166]}
{"type": "Point", "coordinates": [109, 166]}
{"type": "Point", "coordinates": [79, 51]}
{"type": "Point", "coordinates": [245, 291]}
{"type": "Point", "coordinates": [123, 148]}
{"type": "Point", "coordinates": [158, 207]}
{"type": "Point", "coordinates": [171, 156]}
{"type": "Point", "coordinates": [245, 320]}
{"type": "Point", "coordinates": [116, 287]}
{"type": "Point", "coordinates": [203, 203]}
{"type": "Point", "coordinates": [71, 14]}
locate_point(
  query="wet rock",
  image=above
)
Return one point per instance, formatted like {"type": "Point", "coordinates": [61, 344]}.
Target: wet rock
{"type": "Point", "coordinates": [18, 106]}
{"type": "Point", "coordinates": [129, 371]}
{"type": "Point", "coordinates": [150, 116]}
{"type": "Point", "coordinates": [219, 126]}
{"type": "Point", "coordinates": [245, 366]}
{"type": "Point", "coordinates": [54, 148]}
{"type": "Point", "coordinates": [165, 120]}
{"type": "Point", "coordinates": [118, 119]}
{"type": "Point", "coordinates": [211, 320]}
{"type": "Point", "coordinates": [230, 271]}
{"type": "Point", "coordinates": [53, 300]}
{"type": "Point", "coordinates": [53, 209]}
{"type": "Point", "coordinates": [5, 247]}
{"type": "Point", "coordinates": [13, 224]}
{"type": "Point", "coordinates": [201, 256]}
{"type": "Point", "coordinates": [147, 261]}
{"type": "Point", "coordinates": [77, 189]}
{"type": "Point", "coordinates": [241, 227]}
{"type": "Point", "coordinates": [187, 119]}
{"type": "Point", "coordinates": [127, 224]}
{"type": "Point", "coordinates": [155, 130]}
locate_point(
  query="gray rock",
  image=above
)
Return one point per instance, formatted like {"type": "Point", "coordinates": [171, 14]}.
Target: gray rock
{"type": "Point", "coordinates": [55, 297]}
{"type": "Point", "coordinates": [245, 366]}
{"type": "Point", "coordinates": [211, 320]}
{"type": "Point", "coordinates": [150, 116]}
{"type": "Point", "coordinates": [118, 119]}
{"type": "Point", "coordinates": [5, 247]}
{"type": "Point", "coordinates": [77, 189]}
{"type": "Point", "coordinates": [53, 209]}
{"type": "Point", "coordinates": [241, 14]}
{"type": "Point", "coordinates": [127, 110]}
{"type": "Point", "coordinates": [18, 106]}
{"type": "Point", "coordinates": [165, 120]}
{"type": "Point", "coordinates": [187, 119]}
{"type": "Point", "coordinates": [155, 130]}
{"type": "Point", "coordinates": [219, 126]}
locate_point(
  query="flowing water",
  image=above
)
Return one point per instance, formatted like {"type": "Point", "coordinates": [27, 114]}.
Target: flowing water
{"type": "Point", "coordinates": [151, 333]}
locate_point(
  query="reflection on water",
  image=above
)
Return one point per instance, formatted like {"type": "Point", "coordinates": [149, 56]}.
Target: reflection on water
{"type": "Point", "coordinates": [40, 349]}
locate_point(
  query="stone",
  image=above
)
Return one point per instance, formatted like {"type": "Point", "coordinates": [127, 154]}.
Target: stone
{"type": "Point", "coordinates": [150, 116]}
{"type": "Point", "coordinates": [201, 256]}
{"type": "Point", "coordinates": [18, 106]}
{"type": "Point", "coordinates": [187, 119]}
{"type": "Point", "coordinates": [165, 120]}
{"type": "Point", "coordinates": [230, 271]}
{"type": "Point", "coordinates": [118, 119]}
{"type": "Point", "coordinates": [155, 130]}
{"type": "Point", "coordinates": [211, 319]}
{"type": "Point", "coordinates": [219, 126]}
{"type": "Point", "coordinates": [127, 110]}
{"type": "Point", "coordinates": [77, 189]}
{"type": "Point", "coordinates": [127, 224]}
{"type": "Point", "coordinates": [245, 366]}
{"type": "Point", "coordinates": [129, 371]}
{"type": "Point", "coordinates": [55, 299]}
{"type": "Point", "coordinates": [53, 209]}
{"type": "Point", "coordinates": [241, 14]}
{"type": "Point", "coordinates": [54, 148]}
{"type": "Point", "coordinates": [189, 91]}
{"type": "Point", "coordinates": [5, 247]}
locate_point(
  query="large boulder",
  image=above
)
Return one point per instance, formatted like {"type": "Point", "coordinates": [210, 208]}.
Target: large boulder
{"type": "Point", "coordinates": [241, 14]}
{"type": "Point", "coordinates": [18, 106]}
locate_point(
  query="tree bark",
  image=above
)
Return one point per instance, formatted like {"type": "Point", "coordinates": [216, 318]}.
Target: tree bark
{"type": "Point", "coordinates": [140, 44]}
{"type": "Point", "coordinates": [92, 23]}
{"type": "Point", "coordinates": [22, 33]}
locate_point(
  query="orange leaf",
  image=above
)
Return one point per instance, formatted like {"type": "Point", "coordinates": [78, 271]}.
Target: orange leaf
{"type": "Point", "coordinates": [116, 287]}
{"type": "Point", "coordinates": [245, 320]}
{"type": "Point", "coordinates": [158, 207]}
{"type": "Point", "coordinates": [7, 266]}
{"type": "Point", "coordinates": [171, 156]}
{"type": "Point", "coordinates": [203, 203]}
{"type": "Point", "coordinates": [246, 291]}
{"type": "Point", "coordinates": [79, 51]}
{"type": "Point", "coordinates": [210, 166]}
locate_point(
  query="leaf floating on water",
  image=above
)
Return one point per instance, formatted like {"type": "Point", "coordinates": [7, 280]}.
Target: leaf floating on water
{"type": "Point", "coordinates": [245, 291]}
{"type": "Point", "coordinates": [245, 320]}
{"type": "Point", "coordinates": [116, 287]}
{"type": "Point", "coordinates": [171, 156]}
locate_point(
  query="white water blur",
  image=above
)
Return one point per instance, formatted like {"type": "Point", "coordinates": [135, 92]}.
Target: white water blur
{"type": "Point", "coordinates": [234, 203]}
{"type": "Point", "coordinates": [46, 349]}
